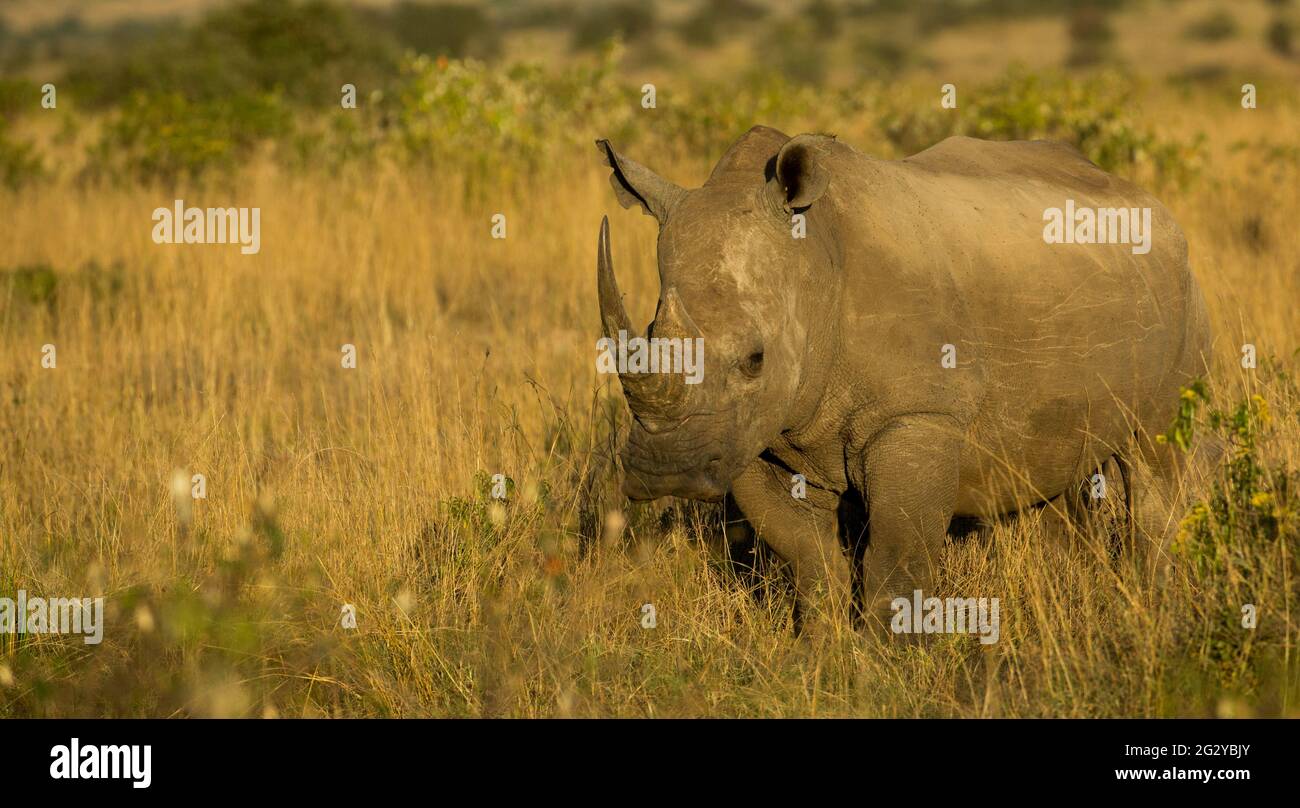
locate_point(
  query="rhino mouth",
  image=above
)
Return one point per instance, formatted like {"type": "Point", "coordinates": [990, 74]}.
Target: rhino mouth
{"type": "Point", "coordinates": [672, 464]}
{"type": "Point", "coordinates": [701, 483]}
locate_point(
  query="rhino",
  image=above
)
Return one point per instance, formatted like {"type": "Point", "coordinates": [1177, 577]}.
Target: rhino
{"type": "Point", "coordinates": [903, 335]}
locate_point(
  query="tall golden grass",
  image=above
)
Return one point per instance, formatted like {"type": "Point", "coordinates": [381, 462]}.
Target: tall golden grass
{"type": "Point", "coordinates": [329, 486]}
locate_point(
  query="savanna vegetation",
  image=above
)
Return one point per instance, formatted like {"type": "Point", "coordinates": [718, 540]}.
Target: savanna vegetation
{"type": "Point", "coordinates": [372, 486]}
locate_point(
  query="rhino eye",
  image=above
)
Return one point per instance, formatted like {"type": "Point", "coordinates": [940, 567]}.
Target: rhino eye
{"type": "Point", "coordinates": [752, 364]}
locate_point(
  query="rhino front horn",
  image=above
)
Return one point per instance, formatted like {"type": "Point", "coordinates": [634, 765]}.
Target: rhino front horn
{"type": "Point", "coordinates": [613, 317]}
{"type": "Point", "coordinates": [646, 392]}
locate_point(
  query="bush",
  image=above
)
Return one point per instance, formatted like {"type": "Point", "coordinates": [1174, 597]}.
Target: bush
{"type": "Point", "coordinates": [495, 122]}
{"type": "Point", "coordinates": [334, 140]}
{"type": "Point", "coordinates": [793, 48]}
{"type": "Point", "coordinates": [825, 16]}
{"type": "Point", "coordinates": [35, 285]}
{"type": "Point", "coordinates": [629, 21]}
{"type": "Point", "coordinates": [1242, 540]}
{"type": "Point", "coordinates": [164, 135]}
{"type": "Point", "coordinates": [1279, 36]}
{"type": "Point", "coordinates": [1215, 27]}
{"type": "Point", "coordinates": [1090, 36]}
{"type": "Point", "coordinates": [701, 28]}
{"type": "Point", "coordinates": [18, 96]}
{"type": "Point", "coordinates": [442, 29]}
{"type": "Point", "coordinates": [717, 115]}
{"type": "Point", "coordinates": [19, 161]}
{"type": "Point", "coordinates": [1093, 114]}
{"type": "Point", "coordinates": [302, 51]}
{"type": "Point", "coordinates": [875, 53]}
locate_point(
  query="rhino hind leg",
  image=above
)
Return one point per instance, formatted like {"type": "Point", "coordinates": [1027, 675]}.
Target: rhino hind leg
{"type": "Point", "coordinates": [1101, 508]}
{"type": "Point", "coordinates": [1166, 480]}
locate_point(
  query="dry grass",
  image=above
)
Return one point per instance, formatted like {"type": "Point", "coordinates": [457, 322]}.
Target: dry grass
{"type": "Point", "coordinates": [328, 486]}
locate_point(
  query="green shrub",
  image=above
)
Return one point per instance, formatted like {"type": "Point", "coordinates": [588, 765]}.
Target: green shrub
{"type": "Point", "coordinates": [36, 285]}
{"type": "Point", "coordinates": [793, 47]}
{"type": "Point", "coordinates": [1095, 114]}
{"type": "Point", "coordinates": [442, 29]}
{"type": "Point", "coordinates": [1090, 36]}
{"type": "Point", "coordinates": [301, 51]}
{"type": "Point", "coordinates": [20, 163]}
{"type": "Point", "coordinates": [825, 16]}
{"type": "Point", "coordinates": [495, 122]}
{"type": "Point", "coordinates": [162, 136]}
{"type": "Point", "coordinates": [1250, 502]}
{"type": "Point", "coordinates": [1215, 27]}
{"type": "Point", "coordinates": [716, 115]}
{"type": "Point", "coordinates": [335, 140]}
{"type": "Point", "coordinates": [626, 20]}
{"type": "Point", "coordinates": [483, 519]}
{"type": "Point", "coordinates": [1279, 35]}
{"type": "Point", "coordinates": [18, 96]}
{"type": "Point", "coordinates": [1240, 543]}
{"type": "Point", "coordinates": [936, 15]}
{"type": "Point", "coordinates": [876, 53]}
{"type": "Point", "coordinates": [703, 26]}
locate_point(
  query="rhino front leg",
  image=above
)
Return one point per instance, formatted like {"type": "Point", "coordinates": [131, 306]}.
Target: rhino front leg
{"type": "Point", "coordinates": [910, 478]}
{"type": "Point", "coordinates": [805, 534]}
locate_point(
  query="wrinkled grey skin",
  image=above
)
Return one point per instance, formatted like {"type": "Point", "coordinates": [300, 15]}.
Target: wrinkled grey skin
{"type": "Point", "coordinates": [823, 354]}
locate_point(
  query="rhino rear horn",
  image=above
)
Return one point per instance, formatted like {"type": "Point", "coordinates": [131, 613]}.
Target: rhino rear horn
{"type": "Point", "coordinates": [672, 319]}
{"type": "Point", "coordinates": [635, 184]}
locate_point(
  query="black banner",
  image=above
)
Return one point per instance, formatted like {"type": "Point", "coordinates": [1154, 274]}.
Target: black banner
{"type": "Point", "coordinates": [215, 758]}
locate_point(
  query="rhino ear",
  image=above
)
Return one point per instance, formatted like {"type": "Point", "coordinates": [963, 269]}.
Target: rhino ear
{"type": "Point", "coordinates": [635, 184]}
{"type": "Point", "coordinates": [801, 170]}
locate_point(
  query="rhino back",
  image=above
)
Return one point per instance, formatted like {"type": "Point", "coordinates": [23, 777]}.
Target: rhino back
{"type": "Point", "coordinates": [1061, 349]}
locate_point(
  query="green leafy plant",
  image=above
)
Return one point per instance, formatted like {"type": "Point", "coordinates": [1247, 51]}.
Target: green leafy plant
{"type": "Point", "coordinates": [1217, 26]}
{"type": "Point", "coordinates": [161, 136]}
{"type": "Point", "coordinates": [1095, 114]}
{"type": "Point", "coordinates": [495, 123]}
{"type": "Point", "coordinates": [300, 51]}
{"type": "Point", "coordinates": [1242, 537]}
{"type": "Point", "coordinates": [20, 163]}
